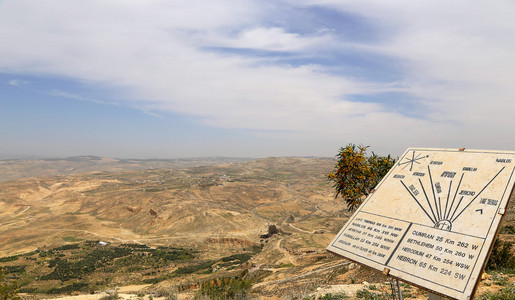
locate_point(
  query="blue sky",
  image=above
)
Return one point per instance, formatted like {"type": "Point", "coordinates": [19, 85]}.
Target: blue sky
{"type": "Point", "coordinates": [165, 79]}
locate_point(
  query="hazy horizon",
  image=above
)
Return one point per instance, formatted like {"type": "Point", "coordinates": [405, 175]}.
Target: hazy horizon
{"type": "Point", "coordinates": [36, 157]}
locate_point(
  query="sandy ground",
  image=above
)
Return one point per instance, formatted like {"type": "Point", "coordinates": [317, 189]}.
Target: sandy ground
{"type": "Point", "coordinates": [126, 292]}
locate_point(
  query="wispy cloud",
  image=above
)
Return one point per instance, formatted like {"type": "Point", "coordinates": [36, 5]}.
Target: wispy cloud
{"type": "Point", "coordinates": [73, 96]}
{"type": "Point", "coordinates": [17, 82]}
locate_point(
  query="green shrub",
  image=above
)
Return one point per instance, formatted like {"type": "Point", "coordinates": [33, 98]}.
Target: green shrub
{"type": "Point", "coordinates": [330, 296]}
{"type": "Point", "coordinates": [8, 289]}
{"type": "Point", "coordinates": [501, 257]}
{"type": "Point", "coordinates": [367, 295]}
{"type": "Point", "coordinates": [225, 288]}
{"type": "Point", "coordinates": [500, 279]}
{"type": "Point", "coordinates": [507, 230]}
{"type": "Point", "coordinates": [507, 293]}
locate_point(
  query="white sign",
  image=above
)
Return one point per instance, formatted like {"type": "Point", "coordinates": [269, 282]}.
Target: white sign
{"type": "Point", "coordinates": [433, 218]}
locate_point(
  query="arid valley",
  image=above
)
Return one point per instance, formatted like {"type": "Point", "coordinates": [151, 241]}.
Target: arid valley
{"type": "Point", "coordinates": [88, 225]}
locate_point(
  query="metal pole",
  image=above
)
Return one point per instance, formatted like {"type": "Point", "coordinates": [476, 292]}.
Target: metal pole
{"type": "Point", "coordinates": [399, 289]}
{"type": "Point", "coordinates": [435, 297]}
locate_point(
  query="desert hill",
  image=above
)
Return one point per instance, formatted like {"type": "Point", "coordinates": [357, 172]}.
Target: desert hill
{"type": "Point", "coordinates": [180, 206]}
{"type": "Point", "coordinates": [216, 210]}
{"type": "Point", "coordinates": [271, 218]}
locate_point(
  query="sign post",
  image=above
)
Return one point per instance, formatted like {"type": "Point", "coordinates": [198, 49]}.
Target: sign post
{"type": "Point", "coordinates": [433, 218]}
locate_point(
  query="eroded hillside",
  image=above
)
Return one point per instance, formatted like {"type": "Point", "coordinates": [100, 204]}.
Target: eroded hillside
{"type": "Point", "coordinates": [278, 214]}
{"type": "Point", "coordinates": [172, 206]}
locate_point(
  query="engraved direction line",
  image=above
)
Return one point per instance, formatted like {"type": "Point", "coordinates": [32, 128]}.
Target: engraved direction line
{"type": "Point", "coordinates": [400, 241]}
{"type": "Point", "coordinates": [478, 194]}
{"type": "Point", "coordinates": [409, 161]}
{"type": "Point", "coordinates": [417, 202]}
{"type": "Point", "coordinates": [459, 202]}
{"type": "Point", "coordinates": [447, 201]}
{"type": "Point", "coordinates": [434, 195]}
{"type": "Point", "coordinates": [440, 202]}
{"type": "Point", "coordinates": [454, 198]}
{"type": "Point", "coordinates": [412, 160]}
{"type": "Point", "coordinates": [427, 199]}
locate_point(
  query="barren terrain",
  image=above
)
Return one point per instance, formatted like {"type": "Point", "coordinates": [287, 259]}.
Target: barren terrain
{"type": "Point", "coordinates": [214, 210]}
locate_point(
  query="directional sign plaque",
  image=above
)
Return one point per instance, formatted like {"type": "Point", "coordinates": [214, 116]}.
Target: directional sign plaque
{"type": "Point", "coordinates": [433, 218]}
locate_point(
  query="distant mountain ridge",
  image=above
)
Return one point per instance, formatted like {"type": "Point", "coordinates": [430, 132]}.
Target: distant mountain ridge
{"type": "Point", "coordinates": [12, 169]}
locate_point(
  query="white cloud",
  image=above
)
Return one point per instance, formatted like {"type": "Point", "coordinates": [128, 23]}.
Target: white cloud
{"type": "Point", "coordinates": [271, 39]}
{"type": "Point", "coordinates": [456, 58]}
{"type": "Point", "coordinates": [151, 58]}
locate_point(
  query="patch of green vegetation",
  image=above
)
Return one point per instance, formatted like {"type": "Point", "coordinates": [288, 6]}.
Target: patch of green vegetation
{"type": "Point", "coordinates": [133, 269]}
{"type": "Point", "coordinates": [225, 288]}
{"type": "Point", "coordinates": [68, 289]}
{"type": "Point", "coordinates": [289, 265]}
{"type": "Point", "coordinates": [503, 294]}
{"type": "Point", "coordinates": [135, 246]}
{"type": "Point", "coordinates": [154, 190]}
{"type": "Point", "coordinates": [14, 269]}
{"type": "Point", "coordinates": [501, 257]}
{"type": "Point", "coordinates": [67, 247]}
{"type": "Point", "coordinates": [8, 288]}
{"type": "Point", "coordinates": [9, 258]}
{"type": "Point", "coordinates": [368, 295]}
{"type": "Point", "coordinates": [59, 270]}
{"type": "Point", "coordinates": [507, 229]}
{"type": "Point", "coordinates": [172, 254]}
{"type": "Point", "coordinates": [240, 258]}
{"type": "Point", "coordinates": [330, 296]}
{"type": "Point", "coordinates": [500, 279]}
{"type": "Point", "coordinates": [71, 239]}
{"type": "Point", "coordinates": [195, 268]}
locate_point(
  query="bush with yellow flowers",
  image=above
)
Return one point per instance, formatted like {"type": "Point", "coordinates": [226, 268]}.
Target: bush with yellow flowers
{"type": "Point", "coordinates": [355, 174]}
